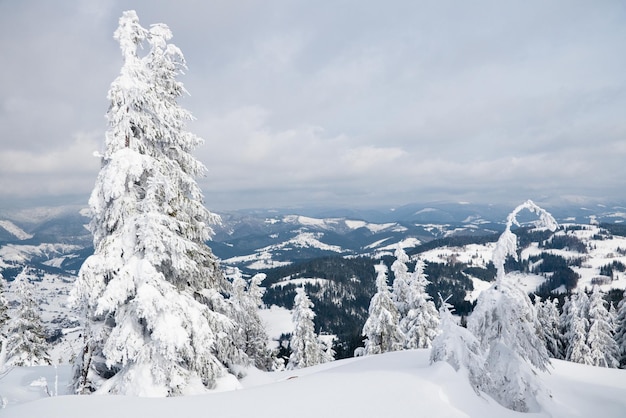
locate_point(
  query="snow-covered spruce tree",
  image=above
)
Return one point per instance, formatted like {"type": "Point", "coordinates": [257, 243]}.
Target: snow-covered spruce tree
{"type": "Point", "coordinates": [620, 330]}
{"type": "Point", "coordinates": [4, 319]}
{"type": "Point", "coordinates": [382, 330]}
{"type": "Point", "coordinates": [246, 299]}
{"type": "Point", "coordinates": [548, 316]}
{"type": "Point", "coordinates": [26, 342]}
{"type": "Point", "coordinates": [421, 322]}
{"type": "Point", "coordinates": [505, 323]}
{"type": "Point", "coordinates": [604, 351]}
{"type": "Point", "coordinates": [401, 282]}
{"type": "Point", "coordinates": [152, 291]}
{"type": "Point", "coordinates": [306, 348]}
{"type": "Point", "coordinates": [575, 323]}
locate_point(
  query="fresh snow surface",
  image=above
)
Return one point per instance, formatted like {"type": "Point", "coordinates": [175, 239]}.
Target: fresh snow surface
{"type": "Point", "coordinates": [307, 221]}
{"type": "Point", "coordinates": [277, 321]}
{"type": "Point", "coordinates": [396, 384]}
{"type": "Point", "coordinates": [374, 228]}
{"type": "Point", "coordinates": [15, 230]}
{"type": "Point", "coordinates": [261, 260]}
{"type": "Point", "coordinates": [305, 240]}
{"type": "Point", "coordinates": [300, 281]}
{"type": "Point", "coordinates": [21, 253]}
{"type": "Point", "coordinates": [329, 223]}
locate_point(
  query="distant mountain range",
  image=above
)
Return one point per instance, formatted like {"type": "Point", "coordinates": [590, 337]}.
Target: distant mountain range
{"type": "Point", "coordinates": [331, 251]}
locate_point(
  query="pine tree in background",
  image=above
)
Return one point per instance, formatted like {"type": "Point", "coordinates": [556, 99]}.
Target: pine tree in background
{"type": "Point", "coordinates": [152, 291]}
{"type": "Point", "coordinates": [505, 322]}
{"type": "Point", "coordinates": [548, 316]}
{"type": "Point", "coordinates": [620, 330]}
{"type": "Point", "coordinates": [576, 326]}
{"type": "Point", "coordinates": [306, 347]}
{"type": "Point", "coordinates": [401, 282]}
{"type": "Point", "coordinates": [421, 322]}
{"type": "Point", "coordinates": [26, 343]}
{"type": "Point", "coordinates": [565, 322]}
{"type": "Point", "coordinates": [252, 338]}
{"type": "Point", "coordinates": [604, 351]}
{"type": "Point", "coordinates": [381, 330]}
{"type": "Point", "coordinates": [4, 319]}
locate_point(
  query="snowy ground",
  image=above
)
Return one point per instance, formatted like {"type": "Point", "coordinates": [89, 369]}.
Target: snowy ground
{"type": "Point", "coordinates": [390, 385]}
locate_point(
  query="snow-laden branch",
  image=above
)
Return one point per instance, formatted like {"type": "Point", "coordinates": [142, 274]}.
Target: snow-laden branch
{"type": "Point", "coordinates": [507, 243]}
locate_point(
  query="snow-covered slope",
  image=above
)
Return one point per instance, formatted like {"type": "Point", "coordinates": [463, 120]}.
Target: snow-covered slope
{"type": "Point", "coordinates": [395, 384]}
{"type": "Point", "coordinates": [14, 230]}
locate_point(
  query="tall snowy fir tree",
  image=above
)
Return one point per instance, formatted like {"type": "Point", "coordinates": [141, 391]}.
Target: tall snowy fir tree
{"type": "Point", "coordinates": [382, 330]}
{"type": "Point", "coordinates": [505, 323]}
{"type": "Point", "coordinates": [421, 322]}
{"type": "Point", "coordinates": [26, 342]}
{"type": "Point", "coordinates": [152, 292]}
{"type": "Point", "coordinates": [604, 351]}
{"type": "Point", "coordinates": [620, 330]}
{"type": "Point", "coordinates": [306, 348]}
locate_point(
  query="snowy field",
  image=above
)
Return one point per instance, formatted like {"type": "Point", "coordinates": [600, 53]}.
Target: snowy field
{"type": "Point", "coordinates": [398, 384]}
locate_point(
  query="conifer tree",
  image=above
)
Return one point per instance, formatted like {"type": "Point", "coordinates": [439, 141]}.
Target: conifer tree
{"type": "Point", "coordinates": [576, 325]}
{"type": "Point", "coordinates": [252, 338]}
{"type": "Point", "coordinates": [381, 330]}
{"type": "Point", "coordinates": [604, 351]}
{"type": "Point", "coordinates": [505, 322]}
{"type": "Point", "coordinates": [421, 322]}
{"type": "Point", "coordinates": [306, 347]}
{"type": "Point", "coordinates": [4, 319]}
{"type": "Point", "coordinates": [152, 291]}
{"type": "Point", "coordinates": [401, 282]}
{"type": "Point", "coordinates": [548, 316]}
{"type": "Point", "coordinates": [620, 330]}
{"type": "Point", "coordinates": [26, 344]}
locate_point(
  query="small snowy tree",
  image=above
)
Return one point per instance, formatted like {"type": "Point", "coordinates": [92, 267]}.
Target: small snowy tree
{"type": "Point", "coordinates": [4, 319]}
{"type": "Point", "coordinates": [26, 344]}
{"type": "Point", "coordinates": [604, 351]}
{"type": "Point", "coordinates": [505, 322]}
{"type": "Point", "coordinates": [306, 347]}
{"type": "Point", "coordinates": [401, 282]}
{"type": "Point", "coordinates": [421, 321]}
{"type": "Point", "coordinates": [151, 294]}
{"type": "Point", "coordinates": [252, 338]}
{"type": "Point", "coordinates": [575, 323]}
{"type": "Point", "coordinates": [578, 351]}
{"type": "Point", "coordinates": [620, 330]}
{"type": "Point", "coordinates": [548, 316]}
{"type": "Point", "coordinates": [460, 348]}
{"type": "Point", "coordinates": [381, 330]}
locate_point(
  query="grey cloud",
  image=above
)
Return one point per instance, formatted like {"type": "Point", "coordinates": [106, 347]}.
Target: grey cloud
{"type": "Point", "coordinates": [338, 101]}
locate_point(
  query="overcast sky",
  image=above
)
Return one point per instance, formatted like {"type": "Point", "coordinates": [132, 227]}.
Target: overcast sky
{"type": "Point", "coordinates": [338, 103]}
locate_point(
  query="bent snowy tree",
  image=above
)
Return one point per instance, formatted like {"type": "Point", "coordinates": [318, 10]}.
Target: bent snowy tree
{"type": "Point", "coordinates": [151, 293]}
{"type": "Point", "coordinates": [505, 322]}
